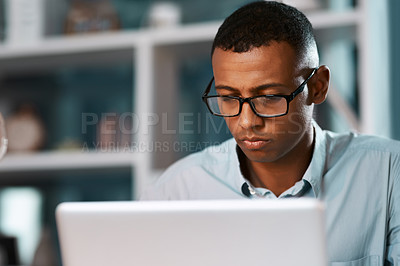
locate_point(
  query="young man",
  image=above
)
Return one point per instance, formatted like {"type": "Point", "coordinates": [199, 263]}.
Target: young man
{"type": "Point", "coordinates": [267, 80]}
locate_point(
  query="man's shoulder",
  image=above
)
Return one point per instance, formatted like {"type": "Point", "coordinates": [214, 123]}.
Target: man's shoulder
{"type": "Point", "coordinates": [364, 142]}
{"type": "Point", "coordinates": [355, 145]}
{"type": "Point", "coordinates": [214, 154]}
{"type": "Point", "coordinates": [378, 143]}
{"type": "Point", "coordinates": [196, 170]}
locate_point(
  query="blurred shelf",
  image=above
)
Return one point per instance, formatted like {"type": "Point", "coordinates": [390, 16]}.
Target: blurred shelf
{"type": "Point", "coordinates": [159, 36]}
{"type": "Point", "coordinates": [91, 43]}
{"type": "Point", "coordinates": [68, 160]}
{"type": "Point", "coordinates": [71, 44]}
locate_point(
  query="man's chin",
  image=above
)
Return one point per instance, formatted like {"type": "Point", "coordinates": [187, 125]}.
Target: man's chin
{"type": "Point", "coordinates": [260, 156]}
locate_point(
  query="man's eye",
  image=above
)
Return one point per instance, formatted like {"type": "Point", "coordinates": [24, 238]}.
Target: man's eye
{"type": "Point", "coordinates": [272, 99]}
{"type": "Point", "coordinates": [228, 94]}
{"type": "Point", "coordinates": [269, 100]}
{"type": "Point", "coordinates": [227, 99]}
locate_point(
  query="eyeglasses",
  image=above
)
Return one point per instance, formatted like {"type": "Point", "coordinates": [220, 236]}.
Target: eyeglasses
{"type": "Point", "coordinates": [262, 105]}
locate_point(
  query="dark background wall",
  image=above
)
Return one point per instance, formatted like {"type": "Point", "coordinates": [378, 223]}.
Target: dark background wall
{"type": "Point", "coordinates": [394, 22]}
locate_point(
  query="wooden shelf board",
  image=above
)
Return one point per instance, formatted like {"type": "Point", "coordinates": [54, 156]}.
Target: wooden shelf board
{"type": "Point", "coordinates": [68, 160]}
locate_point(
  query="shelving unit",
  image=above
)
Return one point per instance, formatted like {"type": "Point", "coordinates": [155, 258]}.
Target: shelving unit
{"type": "Point", "coordinates": [155, 53]}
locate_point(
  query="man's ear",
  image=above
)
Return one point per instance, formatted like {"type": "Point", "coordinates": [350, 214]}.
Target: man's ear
{"type": "Point", "coordinates": [319, 84]}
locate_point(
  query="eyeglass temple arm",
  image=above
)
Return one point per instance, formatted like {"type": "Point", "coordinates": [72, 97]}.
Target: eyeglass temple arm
{"type": "Point", "coordinates": [208, 88]}
{"type": "Point", "coordinates": [301, 88]}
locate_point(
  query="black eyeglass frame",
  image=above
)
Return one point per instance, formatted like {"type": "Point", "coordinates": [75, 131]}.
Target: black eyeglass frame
{"type": "Point", "coordinates": [288, 98]}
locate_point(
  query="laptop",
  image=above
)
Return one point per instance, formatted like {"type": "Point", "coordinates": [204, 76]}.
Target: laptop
{"type": "Point", "coordinates": [284, 232]}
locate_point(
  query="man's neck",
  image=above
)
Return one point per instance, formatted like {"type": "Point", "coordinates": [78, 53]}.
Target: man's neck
{"type": "Point", "coordinates": [282, 174]}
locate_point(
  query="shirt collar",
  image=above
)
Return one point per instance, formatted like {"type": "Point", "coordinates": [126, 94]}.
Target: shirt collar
{"type": "Point", "coordinates": [316, 168]}
{"type": "Point", "coordinates": [237, 169]}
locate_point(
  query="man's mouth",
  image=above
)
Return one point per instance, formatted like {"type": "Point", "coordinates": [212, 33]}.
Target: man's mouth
{"type": "Point", "coordinates": [255, 143]}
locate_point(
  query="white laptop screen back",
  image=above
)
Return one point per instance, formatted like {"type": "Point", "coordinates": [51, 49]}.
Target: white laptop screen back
{"type": "Point", "coordinates": [193, 233]}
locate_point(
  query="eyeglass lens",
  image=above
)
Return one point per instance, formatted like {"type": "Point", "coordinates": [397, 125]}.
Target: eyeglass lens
{"type": "Point", "coordinates": [263, 105]}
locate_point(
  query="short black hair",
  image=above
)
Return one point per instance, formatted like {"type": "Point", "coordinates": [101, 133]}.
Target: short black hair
{"type": "Point", "coordinates": [259, 23]}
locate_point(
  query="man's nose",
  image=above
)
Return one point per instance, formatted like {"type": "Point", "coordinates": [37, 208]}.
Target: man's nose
{"type": "Point", "coordinates": [248, 119]}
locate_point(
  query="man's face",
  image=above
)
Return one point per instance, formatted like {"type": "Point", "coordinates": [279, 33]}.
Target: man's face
{"type": "Point", "coordinates": [272, 69]}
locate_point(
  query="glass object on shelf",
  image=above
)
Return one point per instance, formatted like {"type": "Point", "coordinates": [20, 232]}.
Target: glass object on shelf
{"type": "Point", "coordinates": [164, 14]}
{"type": "Point", "coordinates": [87, 16]}
{"type": "Point", "coordinates": [3, 138]}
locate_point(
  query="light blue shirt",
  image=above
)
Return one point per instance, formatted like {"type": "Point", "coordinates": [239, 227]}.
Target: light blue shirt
{"type": "Point", "coordinates": [361, 189]}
